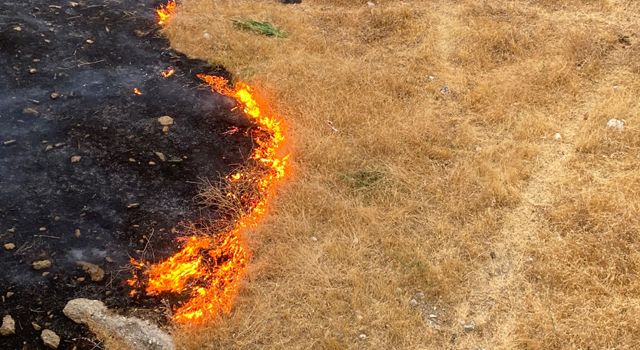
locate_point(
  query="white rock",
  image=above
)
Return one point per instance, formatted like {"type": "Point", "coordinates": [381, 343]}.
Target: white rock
{"type": "Point", "coordinates": [413, 303]}
{"type": "Point", "coordinates": [362, 336]}
{"type": "Point", "coordinates": [8, 326]}
{"type": "Point", "coordinates": [50, 339]}
{"type": "Point", "coordinates": [557, 137]}
{"type": "Point", "coordinates": [616, 124]}
{"type": "Point", "coordinates": [118, 332]}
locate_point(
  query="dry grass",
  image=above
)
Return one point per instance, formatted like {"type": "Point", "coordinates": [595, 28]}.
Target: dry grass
{"type": "Point", "coordinates": [460, 193]}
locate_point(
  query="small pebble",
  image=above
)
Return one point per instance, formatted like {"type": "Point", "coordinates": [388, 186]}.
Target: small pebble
{"type": "Point", "coordinates": [413, 303]}
{"type": "Point", "coordinates": [36, 326]}
{"type": "Point", "coordinates": [54, 95]}
{"type": "Point", "coordinates": [77, 233]}
{"type": "Point", "coordinates": [161, 156]}
{"type": "Point", "coordinates": [9, 142]}
{"type": "Point", "coordinates": [75, 159]}
{"type": "Point", "coordinates": [50, 339]}
{"type": "Point", "coordinates": [165, 120]}
{"type": "Point", "coordinates": [8, 326]}
{"type": "Point", "coordinates": [9, 246]}
{"type": "Point", "coordinates": [616, 124]}
{"type": "Point", "coordinates": [41, 264]}
{"type": "Point", "coordinates": [469, 326]}
{"type": "Point", "coordinates": [362, 336]}
{"type": "Point", "coordinates": [17, 28]}
{"type": "Point", "coordinates": [33, 71]}
{"type": "Point", "coordinates": [557, 136]}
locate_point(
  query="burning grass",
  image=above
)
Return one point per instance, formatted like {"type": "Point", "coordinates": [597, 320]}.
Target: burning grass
{"type": "Point", "coordinates": [426, 169]}
{"type": "Point", "coordinates": [210, 264]}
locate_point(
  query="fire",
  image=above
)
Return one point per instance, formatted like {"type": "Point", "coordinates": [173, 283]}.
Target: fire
{"type": "Point", "coordinates": [210, 265]}
{"type": "Point", "coordinates": [137, 91]}
{"type": "Point", "coordinates": [164, 12]}
{"type": "Point", "coordinates": [168, 72]}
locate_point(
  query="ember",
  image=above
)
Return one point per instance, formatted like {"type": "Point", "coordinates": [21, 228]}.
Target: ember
{"type": "Point", "coordinates": [168, 72]}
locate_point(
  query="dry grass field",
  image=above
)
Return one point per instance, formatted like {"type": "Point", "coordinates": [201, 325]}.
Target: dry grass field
{"type": "Point", "coordinates": [442, 213]}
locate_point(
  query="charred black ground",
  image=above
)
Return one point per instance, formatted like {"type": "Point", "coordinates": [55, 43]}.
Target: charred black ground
{"type": "Point", "coordinates": [67, 74]}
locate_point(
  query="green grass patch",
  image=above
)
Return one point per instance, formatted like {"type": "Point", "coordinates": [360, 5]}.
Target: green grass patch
{"type": "Point", "coordinates": [259, 27]}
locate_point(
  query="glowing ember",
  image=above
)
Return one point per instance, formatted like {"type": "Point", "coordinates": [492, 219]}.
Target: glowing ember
{"type": "Point", "coordinates": [137, 91]}
{"type": "Point", "coordinates": [210, 265]}
{"type": "Point", "coordinates": [164, 12]}
{"type": "Point", "coordinates": [168, 72]}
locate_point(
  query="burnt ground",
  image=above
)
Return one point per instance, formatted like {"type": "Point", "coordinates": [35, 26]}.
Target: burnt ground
{"type": "Point", "coordinates": [67, 74]}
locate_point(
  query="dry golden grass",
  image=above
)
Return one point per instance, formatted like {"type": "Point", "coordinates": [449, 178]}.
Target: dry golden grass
{"type": "Point", "coordinates": [459, 193]}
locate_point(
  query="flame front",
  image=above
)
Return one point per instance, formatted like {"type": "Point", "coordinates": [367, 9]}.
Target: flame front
{"type": "Point", "coordinates": [210, 265]}
{"type": "Point", "coordinates": [164, 12]}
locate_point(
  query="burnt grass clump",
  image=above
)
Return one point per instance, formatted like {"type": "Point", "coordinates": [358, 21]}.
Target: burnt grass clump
{"type": "Point", "coordinates": [87, 172]}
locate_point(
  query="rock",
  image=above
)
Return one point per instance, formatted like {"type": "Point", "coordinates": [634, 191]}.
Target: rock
{"type": "Point", "coordinates": [9, 142]}
{"type": "Point", "coordinates": [8, 326]}
{"type": "Point", "coordinates": [152, 163]}
{"type": "Point", "coordinates": [73, 4]}
{"type": "Point", "coordinates": [77, 233]}
{"type": "Point", "coordinates": [75, 159]}
{"type": "Point", "coordinates": [30, 110]}
{"type": "Point", "coordinates": [50, 339]}
{"type": "Point", "coordinates": [557, 137]}
{"type": "Point", "coordinates": [165, 120]}
{"type": "Point", "coordinates": [95, 272]}
{"type": "Point", "coordinates": [41, 264]}
{"type": "Point", "coordinates": [9, 246]}
{"type": "Point", "coordinates": [616, 124]}
{"type": "Point", "coordinates": [117, 332]}
{"type": "Point", "coordinates": [9, 294]}
{"type": "Point", "coordinates": [161, 156]}
{"type": "Point", "coordinates": [413, 303]}
{"type": "Point", "coordinates": [17, 28]}
{"type": "Point", "coordinates": [33, 71]}
{"type": "Point", "coordinates": [89, 41]}
{"type": "Point", "coordinates": [133, 205]}
{"type": "Point", "coordinates": [54, 95]}
{"type": "Point", "coordinates": [362, 336]}
{"type": "Point", "coordinates": [36, 326]}
{"type": "Point", "coordinates": [470, 326]}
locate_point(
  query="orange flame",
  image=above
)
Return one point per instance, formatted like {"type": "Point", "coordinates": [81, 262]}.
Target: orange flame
{"type": "Point", "coordinates": [209, 267]}
{"type": "Point", "coordinates": [164, 12]}
{"type": "Point", "coordinates": [168, 72]}
{"type": "Point", "coordinates": [137, 91]}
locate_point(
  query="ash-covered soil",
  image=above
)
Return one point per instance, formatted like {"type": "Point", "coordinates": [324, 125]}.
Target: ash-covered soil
{"type": "Point", "coordinates": [87, 172]}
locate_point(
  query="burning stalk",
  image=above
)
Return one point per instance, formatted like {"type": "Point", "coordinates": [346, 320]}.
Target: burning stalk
{"type": "Point", "coordinates": [210, 265]}
{"type": "Point", "coordinates": [164, 12]}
